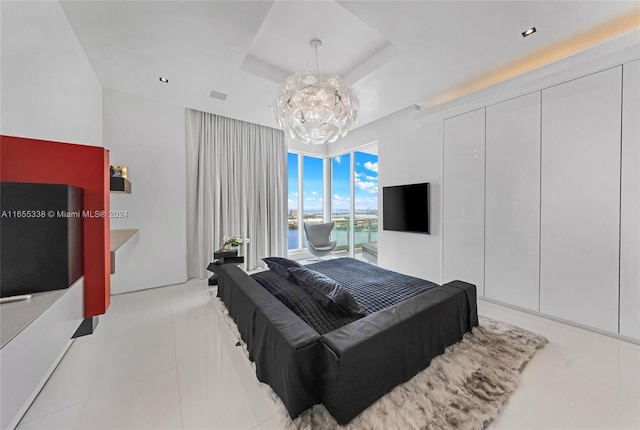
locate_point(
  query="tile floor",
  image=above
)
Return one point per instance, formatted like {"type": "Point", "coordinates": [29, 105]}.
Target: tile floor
{"type": "Point", "coordinates": [164, 359]}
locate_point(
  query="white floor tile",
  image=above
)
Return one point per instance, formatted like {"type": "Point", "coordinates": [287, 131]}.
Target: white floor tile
{"type": "Point", "coordinates": [630, 370]}
{"type": "Point", "coordinates": [272, 423]}
{"type": "Point", "coordinates": [124, 320]}
{"type": "Point", "coordinates": [198, 337]}
{"type": "Point", "coordinates": [218, 386]}
{"type": "Point", "coordinates": [558, 398]}
{"type": "Point", "coordinates": [164, 358]}
{"type": "Point", "coordinates": [590, 354]}
{"type": "Point", "coordinates": [92, 369]}
{"type": "Point", "coordinates": [217, 394]}
{"type": "Point", "coordinates": [150, 404]}
{"type": "Point", "coordinates": [508, 420]}
{"type": "Point", "coordinates": [629, 412]}
{"type": "Point", "coordinates": [192, 303]}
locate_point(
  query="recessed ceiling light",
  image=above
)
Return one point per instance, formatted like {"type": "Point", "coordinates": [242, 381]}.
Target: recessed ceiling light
{"type": "Point", "coordinates": [164, 80]}
{"type": "Point", "coordinates": [529, 32]}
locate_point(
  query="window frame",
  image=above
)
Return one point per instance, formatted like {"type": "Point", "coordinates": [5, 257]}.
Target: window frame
{"type": "Point", "coordinates": [327, 193]}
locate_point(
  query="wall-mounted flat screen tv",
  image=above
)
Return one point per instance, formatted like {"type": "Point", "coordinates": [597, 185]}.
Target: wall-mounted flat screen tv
{"type": "Point", "coordinates": [406, 208]}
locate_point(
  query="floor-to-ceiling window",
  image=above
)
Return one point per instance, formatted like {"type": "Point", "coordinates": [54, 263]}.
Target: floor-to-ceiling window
{"type": "Point", "coordinates": [341, 200]}
{"type": "Point", "coordinates": [306, 203]}
{"type": "Point", "coordinates": [366, 200]}
{"type": "Point", "coordinates": [353, 202]}
{"type": "Point", "coordinates": [293, 197]}
{"type": "Point", "coordinates": [312, 187]}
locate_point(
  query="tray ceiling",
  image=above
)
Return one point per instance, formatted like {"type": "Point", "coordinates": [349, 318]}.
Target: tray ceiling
{"type": "Point", "coordinates": [395, 53]}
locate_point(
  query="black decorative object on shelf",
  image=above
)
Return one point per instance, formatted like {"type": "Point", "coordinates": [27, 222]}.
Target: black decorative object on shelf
{"type": "Point", "coordinates": [42, 238]}
{"type": "Point", "coordinates": [120, 185]}
{"type": "Point", "coordinates": [222, 257]}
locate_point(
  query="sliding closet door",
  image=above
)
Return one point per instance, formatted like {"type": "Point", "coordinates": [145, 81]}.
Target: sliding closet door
{"type": "Point", "coordinates": [580, 210]}
{"type": "Point", "coordinates": [513, 202]}
{"type": "Point", "coordinates": [630, 204]}
{"type": "Point", "coordinates": [463, 237]}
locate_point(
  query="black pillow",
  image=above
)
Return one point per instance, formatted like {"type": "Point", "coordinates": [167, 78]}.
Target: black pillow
{"type": "Point", "coordinates": [326, 291]}
{"type": "Point", "coordinates": [280, 265]}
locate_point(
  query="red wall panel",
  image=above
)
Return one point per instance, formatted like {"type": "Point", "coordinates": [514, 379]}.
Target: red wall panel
{"type": "Point", "coordinates": [40, 161]}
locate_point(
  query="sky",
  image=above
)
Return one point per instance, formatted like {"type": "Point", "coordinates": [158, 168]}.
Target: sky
{"type": "Point", "coordinates": [366, 182]}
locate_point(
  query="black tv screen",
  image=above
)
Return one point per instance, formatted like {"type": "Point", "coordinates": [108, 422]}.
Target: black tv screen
{"type": "Point", "coordinates": [406, 208]}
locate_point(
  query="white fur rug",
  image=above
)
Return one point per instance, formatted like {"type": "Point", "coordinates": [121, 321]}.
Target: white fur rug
{"type": "Point", "coordinates": [464, 389]}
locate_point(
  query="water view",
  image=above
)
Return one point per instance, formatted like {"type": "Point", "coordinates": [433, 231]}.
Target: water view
{"type": "Point", "coordinates": [366, 231]}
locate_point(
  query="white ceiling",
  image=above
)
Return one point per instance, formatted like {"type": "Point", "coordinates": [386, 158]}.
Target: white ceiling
{"type": "Point", "coordinates": [395, 53]}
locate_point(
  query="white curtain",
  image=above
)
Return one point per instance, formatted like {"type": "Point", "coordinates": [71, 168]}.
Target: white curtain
{"type": "Point", "coordinates": [236, 184]}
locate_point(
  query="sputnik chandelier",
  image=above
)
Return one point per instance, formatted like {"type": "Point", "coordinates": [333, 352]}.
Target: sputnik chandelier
{"type": "Point", "coordinates": [316, 107]}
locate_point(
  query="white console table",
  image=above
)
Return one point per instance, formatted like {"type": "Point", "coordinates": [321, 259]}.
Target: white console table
{"type": "Point", "coordinates": [35, 334]}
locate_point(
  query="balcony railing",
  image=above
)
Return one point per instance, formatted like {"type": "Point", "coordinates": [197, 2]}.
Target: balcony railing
{"type": "Point", "coordinates": [366, 231]}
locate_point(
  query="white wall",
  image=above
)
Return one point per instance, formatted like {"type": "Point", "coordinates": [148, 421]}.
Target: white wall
{"type": "Point", "coordinates": [297, 145]}
{"type": "Point", "coordinates": [630, 203]}
{"type": "Point", "coordinates": [409, 152]}
{"type": "Point", "coordinates": [49, 89]}
{"type": "Point", "coordinates": [149, 138]}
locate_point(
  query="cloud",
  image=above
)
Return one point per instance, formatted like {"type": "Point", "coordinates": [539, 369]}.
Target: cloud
{"type": "Point", "coordinates": [368, 186]}
{"type": "Point", "coordinates": [338, 159]}
{"type": "Point", "coordinates": [340, 202]}
{"type": "Point", "coordinates": [370, 203]}
{"type": "Point", "coordinates": [314, 193]}
{"type": "Point", "coordinates": [371, 166]}
{"type": "Point", "coordinates": [360, 175]}
{"type": "Point", "coordinates": [372, 200]}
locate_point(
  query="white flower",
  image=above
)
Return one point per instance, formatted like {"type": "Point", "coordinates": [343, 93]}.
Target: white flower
{"type": "Point", "coordinates": [233, 241]}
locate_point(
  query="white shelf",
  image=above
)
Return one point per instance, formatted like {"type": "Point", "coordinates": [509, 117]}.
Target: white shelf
{"type": "Point", "coordinates": [118, 238]}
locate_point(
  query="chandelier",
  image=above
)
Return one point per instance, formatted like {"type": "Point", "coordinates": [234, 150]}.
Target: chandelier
{"type": "Point", "coordinates": [316, 107]}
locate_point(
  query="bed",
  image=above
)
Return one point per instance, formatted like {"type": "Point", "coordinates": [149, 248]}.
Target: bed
{"type": "Point", "coordinates": [345, 362]}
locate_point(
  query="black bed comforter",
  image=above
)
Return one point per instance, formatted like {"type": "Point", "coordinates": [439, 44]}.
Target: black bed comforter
{"type": "Point", "coordinates": [373, 288]}
{"type": "Point", "coordinates": [301, 303]}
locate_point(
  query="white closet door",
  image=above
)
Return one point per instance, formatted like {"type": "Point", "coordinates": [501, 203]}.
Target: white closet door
{"type": "Point", "coordinates": [513, 202]}
{"type": "Point", "coordinates": [630, 203]}
{"type": "Point", "coordinates": [463, 237]}
{"type": "Point", "coordinates": [579, 264]}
